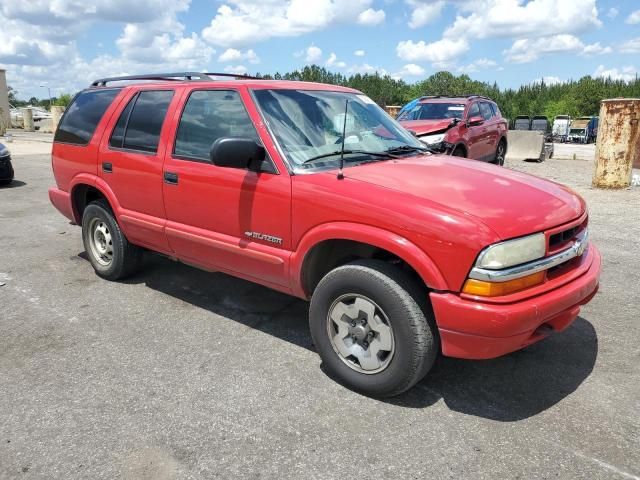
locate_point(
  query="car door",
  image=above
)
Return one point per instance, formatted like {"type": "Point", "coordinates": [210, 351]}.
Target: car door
{"type": "Point", "coordinates": [229, 219]}
{"type": "Point", "coordinates": [476, 145]}
{"type": "Point", "coordinates": [131, 164]}
{"type": "Point", "coordinates": [491, 131]}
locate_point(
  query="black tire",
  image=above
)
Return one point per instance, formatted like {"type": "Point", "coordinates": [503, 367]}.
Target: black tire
{"type": "Point", "coordinates": [126, 258]}
{"type": "Point", "coordinates": [410, 316]}
{"type": "Point", "coordinates": [501, 153]}
{"type": "Point", "coordinates": [459, 152]}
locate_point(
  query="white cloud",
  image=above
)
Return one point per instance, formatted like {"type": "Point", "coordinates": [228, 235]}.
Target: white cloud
{"type": "Point", "coordinates": [627, 74]}
{"type": "Point", "coordinates": [595, 49]}
{"type": "Point", "coordinates": [549, 80]}
{"type": "Point", "coordinates": [612, 13]}
{"type": "Point", "coordinates": [631, 46]}
{"type": "Point", "coordinates": [424, 12]}
{"type": "Point", "coordinates": [633, 18]}
{"type": "Point", "coordinates": [233, 55]}
{"type": "Point", "coordinates": [410, 70]}
{"type": "Point", "coordinates": [515, 18]}
{"type": "Point", "coordinates": [371, 17]}
{"type": "Point", "coordinates": [333, 61]}
{"type": "Point", "coordinates": [527, 50]}
{"type": "Point", "coordinates": [359, 53]}
{"type": "Point", "coordinates": [236, 69]}
{"type": "Point", "coordinates": [241, 22]}
{"type": "Point", "coordinates": [366, 68]}
{"type": "Point", "coordinates": [440, 51]}
{"type": "Point", "coordinates": [39, 37]}
{"type": "Point", "coordinates": [70, 12]}
{"type": "Point", "coordinates": [480, 64]}
{"type": "Point", "coordinates": [313, 54]}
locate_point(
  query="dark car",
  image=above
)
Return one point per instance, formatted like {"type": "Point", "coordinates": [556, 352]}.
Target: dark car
{"type": "Point", "coordinates": [467, 126]}
{"type": "Point", "coordinates": [6, 169]}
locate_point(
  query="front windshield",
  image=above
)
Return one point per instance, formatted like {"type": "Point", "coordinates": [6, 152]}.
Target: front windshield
{"type": "Point", "coordinates": [307, 124]}
{"type": "Point", "coordinates": [434, 111]}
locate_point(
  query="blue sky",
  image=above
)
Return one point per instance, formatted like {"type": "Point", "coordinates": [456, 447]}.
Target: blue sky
{"type": "Point", "coordinates": [66, 43]}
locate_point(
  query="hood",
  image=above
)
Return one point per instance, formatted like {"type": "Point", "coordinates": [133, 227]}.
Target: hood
{"type": "Point", "coordinates": [423, 127]}
{"type": "Point", "coordinates": [511, 203]}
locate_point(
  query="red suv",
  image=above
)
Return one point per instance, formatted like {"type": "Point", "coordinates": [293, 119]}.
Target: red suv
{"type": "Point", "coordinates": [315, 191]}
{"type": "Point", "coordinates": [469, 126]}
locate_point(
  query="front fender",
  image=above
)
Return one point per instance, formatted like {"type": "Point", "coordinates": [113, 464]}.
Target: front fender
{"type": "Point", "coordinates": [392, 242]}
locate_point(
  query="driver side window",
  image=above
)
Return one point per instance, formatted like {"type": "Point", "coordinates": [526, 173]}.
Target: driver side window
{"type": "Point", "coordinates": [209, 115]}
{"type": "Point", "coordinates": [474, 111]}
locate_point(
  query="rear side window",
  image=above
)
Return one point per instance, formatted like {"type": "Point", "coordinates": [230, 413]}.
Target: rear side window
{"type": "Point", "coordinates": [496, 110]}
{"type": "Point", "coordinates": [82, 117]}
{"type": "Point", "coordinates": [209, 115]}
{"type": "Point", "coordinates": [140, 123]}
{"type": "Point", "coordinates": [117, 136]}
{"type": "Point", "coordinates": [486, 111]}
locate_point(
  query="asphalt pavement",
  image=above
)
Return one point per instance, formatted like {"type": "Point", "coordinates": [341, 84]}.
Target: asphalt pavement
{"type": "Point", "coordinates": [179, 373]}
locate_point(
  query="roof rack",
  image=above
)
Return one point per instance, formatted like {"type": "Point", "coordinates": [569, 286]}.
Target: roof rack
{"type": "Point", "coordinates": [169, 77]}
{"type": "Point", "coordinates": [426, 97]}
{"type": "Point", "coordinates": [232, 75]}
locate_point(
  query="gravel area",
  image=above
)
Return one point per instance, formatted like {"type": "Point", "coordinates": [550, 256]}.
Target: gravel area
{"type": "Point", "coordinates": [178, 373]}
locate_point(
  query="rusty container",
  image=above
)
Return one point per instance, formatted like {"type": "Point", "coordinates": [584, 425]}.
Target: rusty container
{"type": "Point", "coordinates": [618, 143]}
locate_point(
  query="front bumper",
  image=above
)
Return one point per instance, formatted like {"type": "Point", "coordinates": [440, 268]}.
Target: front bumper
{"type": "Point", "coordinates": [478, 330]}
{"type": "Point", "coordinates": [6, 169]}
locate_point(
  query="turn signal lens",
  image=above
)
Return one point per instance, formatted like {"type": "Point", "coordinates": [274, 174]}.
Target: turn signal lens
{"type": "Point", "coordinates": [496, 289]}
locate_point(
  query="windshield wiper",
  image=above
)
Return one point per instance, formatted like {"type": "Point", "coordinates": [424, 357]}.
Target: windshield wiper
{"type": "Point", "coordinates": [407, 148]}
{"type": "Point", "coordinates": [386, 154]}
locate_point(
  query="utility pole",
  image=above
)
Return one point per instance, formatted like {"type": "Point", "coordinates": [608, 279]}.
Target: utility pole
{"type": "Point", "coordinates": [49, 91]}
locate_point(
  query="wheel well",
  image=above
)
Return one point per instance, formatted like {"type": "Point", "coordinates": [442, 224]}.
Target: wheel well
{"type": "Point", "coordinates": [462, 147]}
{"type": "Point", "coordinates": [82, 196]}
{"type": "Point", "coordinates": [331, 254]}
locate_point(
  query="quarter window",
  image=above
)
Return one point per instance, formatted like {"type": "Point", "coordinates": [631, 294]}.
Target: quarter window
{"type": "Point", "coordinates": [117, 136]}
{"type": "Point", "coordinates": [209, 115]}
{"type": "Point", "coordinates": [81, 119]}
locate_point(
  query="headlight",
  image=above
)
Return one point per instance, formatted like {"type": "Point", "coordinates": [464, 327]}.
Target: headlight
{"type": "Point", "coordinates": [431, 139]}
{"type": "Point", "coordinates": [513, 252]}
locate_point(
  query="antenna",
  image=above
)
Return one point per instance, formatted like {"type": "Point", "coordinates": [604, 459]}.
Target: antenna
{"type": "Point", "coordinates": [344, 134]}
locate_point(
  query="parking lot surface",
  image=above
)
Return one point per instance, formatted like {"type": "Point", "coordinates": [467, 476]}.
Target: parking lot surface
{"type": "Point", "coordinates": [178, 373]}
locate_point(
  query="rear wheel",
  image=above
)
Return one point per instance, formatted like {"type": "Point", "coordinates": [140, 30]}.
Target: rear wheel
{"type": "Point", "coordinates": [373, 328]}
{"type": "Point", "coordinates": [501, 151]}
{"type": "Point", "coordinates": [109, 251]}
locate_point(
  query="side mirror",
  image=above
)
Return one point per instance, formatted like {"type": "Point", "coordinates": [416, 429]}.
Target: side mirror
{"type": "Point", "coordinates": [474, 121]}
{"type": "Point", "coordinates": [234, 152]}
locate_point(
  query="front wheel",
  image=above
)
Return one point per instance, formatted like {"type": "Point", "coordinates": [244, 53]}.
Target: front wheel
{"type": "Point", "coordinates": [373, 328]}
{"type": "Point", "coordinates": [109, 251]}
{"type": "Point", "coordinates": [458, 152]}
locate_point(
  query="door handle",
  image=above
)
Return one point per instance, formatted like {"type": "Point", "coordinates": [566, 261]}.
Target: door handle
{"type": "Point", "coordinates": [171, 178]}
{"type": "Point", "coordinates": [107, 167]}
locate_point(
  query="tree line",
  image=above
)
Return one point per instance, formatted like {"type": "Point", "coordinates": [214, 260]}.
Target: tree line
{"type": "Point", "coordinates": [575, 97]}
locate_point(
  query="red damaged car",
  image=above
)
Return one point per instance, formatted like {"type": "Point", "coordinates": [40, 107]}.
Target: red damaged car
{"type": "Point", "coordinates": [313, 190]}
{"type": "Point", "coordinates": [468, 126]}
